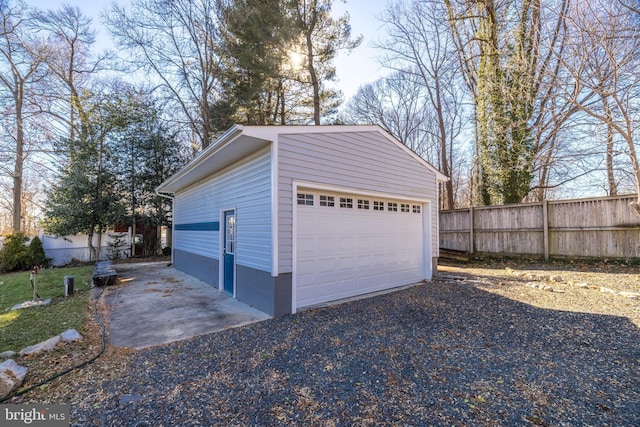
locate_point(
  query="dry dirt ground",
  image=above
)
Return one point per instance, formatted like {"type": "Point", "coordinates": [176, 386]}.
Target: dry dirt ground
{"type": "Point", "coordinates": [595, 287]}
{"type": "Point", "coordinates": [488, 343]}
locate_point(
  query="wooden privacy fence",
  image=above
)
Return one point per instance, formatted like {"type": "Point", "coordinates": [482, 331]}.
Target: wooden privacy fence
{"type": "Point", "coordinates": [604, 227]}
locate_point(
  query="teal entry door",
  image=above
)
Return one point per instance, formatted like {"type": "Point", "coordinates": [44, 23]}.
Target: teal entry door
{"type": "Point", "coordinates": [229, 250]}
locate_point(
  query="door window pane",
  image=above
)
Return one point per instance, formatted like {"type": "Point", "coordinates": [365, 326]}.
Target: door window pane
{"type": "Point", "coordinates": [230, 238]}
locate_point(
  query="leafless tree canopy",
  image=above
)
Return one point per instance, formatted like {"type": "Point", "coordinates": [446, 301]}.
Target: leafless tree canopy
{"type": "Point", "coordinates": [23, 54]}
{"type": "Point", "coordinates": [602, 61]}
{"type": "Point", "coordinates": [514, 100]}
{"type": "Point", "coordinates": [544, 93]}
{"type": "Point", "coordinates": [178, 42]}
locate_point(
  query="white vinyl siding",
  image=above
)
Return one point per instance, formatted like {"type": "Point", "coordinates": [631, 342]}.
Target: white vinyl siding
{"type": "Point", "coordinates": [245, 186]}
{"type": "Point", "coordinates": [195, 206]}
{"type": "Point", "coordinates": [365, 161]}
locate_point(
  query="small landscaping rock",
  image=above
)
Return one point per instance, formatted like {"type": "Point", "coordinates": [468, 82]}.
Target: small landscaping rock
{"type": "Point", "coordinates": [541, 287]}
{"type": "Point", "coordinates": [632, 295]}
{"type": "Point", "coordinates": [582, 285]}
{"type": "Point", "coordinates": [127, 398]}
{"type": "Point", "coordinates": [40, 347]}
{"type": "Point", "coordinates": [7, 354]}
{"type": "Point", "coordinates": [11, 376]}
{"type": "Point", "coordinates": [607, 290]}
{"type": "Point", "coordinates": [30, 304]}
{"type": "Point", "coordinates": [70, 335]}
{"type": "Point", "coordinates": [556, 279]}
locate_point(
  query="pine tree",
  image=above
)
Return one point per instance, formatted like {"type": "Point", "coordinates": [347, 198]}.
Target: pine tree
{"type": "Point", "coordinates": [86, 199]}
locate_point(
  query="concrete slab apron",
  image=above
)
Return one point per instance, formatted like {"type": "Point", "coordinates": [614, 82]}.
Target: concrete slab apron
{"type": "Point", "coordinates": [153, 304]}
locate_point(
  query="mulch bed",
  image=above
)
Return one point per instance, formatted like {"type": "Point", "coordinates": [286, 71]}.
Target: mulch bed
{"type": "Point", "coordinates": [474, 347]}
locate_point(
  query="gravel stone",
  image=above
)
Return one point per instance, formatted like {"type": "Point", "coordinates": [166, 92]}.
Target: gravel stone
{"type": "Point", "coordinates": [448, 352]}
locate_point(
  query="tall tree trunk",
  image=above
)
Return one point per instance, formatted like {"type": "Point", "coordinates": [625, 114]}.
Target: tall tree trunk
{"type": "Point", "coordinates": [92, 250]}
{"type": "Point", "coordinates": [99, 244]}
{"type": "Point", "coordinates": [133, 198]}
{"type": "Point", "coordinates": [546, 164]}
{"type": "Point", "coordinates": [487, 85]}
{"type": "Point", "coordinates": [635, 166]}
{"type": "Point", "coordinates": [444, 157]}
{"type": "Point", "coordinates": [205, 112]}
{"type": "Point", "coordinates": [282, 104]}
{"type": "Point", "coordinates": [314, 79]}
{"type": "Point", "coordinates": [18, 168]}
{"type": "Point", "coordinates": [611, 179]}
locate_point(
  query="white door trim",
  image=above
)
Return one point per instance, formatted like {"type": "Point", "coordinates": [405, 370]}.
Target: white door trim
{"type": "Point", "coordinates": [222, 233]}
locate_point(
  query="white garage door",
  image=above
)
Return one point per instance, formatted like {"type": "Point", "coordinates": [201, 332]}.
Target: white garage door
{"type": "Point", "coordinates": [349, 245]}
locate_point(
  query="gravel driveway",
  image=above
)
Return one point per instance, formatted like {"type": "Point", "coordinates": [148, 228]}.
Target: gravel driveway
{"type": "Point", "coordinates": [449, 352]}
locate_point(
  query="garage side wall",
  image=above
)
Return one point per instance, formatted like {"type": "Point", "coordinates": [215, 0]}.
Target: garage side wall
{"type": "Point", "coordinates": [365, 161]}
{"type": "Point", "coordinates": [245, 187]}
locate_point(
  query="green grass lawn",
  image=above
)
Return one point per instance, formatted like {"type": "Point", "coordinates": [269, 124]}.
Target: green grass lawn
{"type": "Point", "coordinates": [25, 327]}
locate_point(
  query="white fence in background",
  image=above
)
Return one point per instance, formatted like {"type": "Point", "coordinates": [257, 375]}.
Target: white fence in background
{"type": "Point", "coordinates": [64, 249]}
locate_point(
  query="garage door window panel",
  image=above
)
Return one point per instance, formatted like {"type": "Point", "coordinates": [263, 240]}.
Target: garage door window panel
{"type": "Point", "coordinates": [305, 199]}
{"type": "Point", "coordinates": [346, 202]}
{"type": "Point", "coordinates": [327, 201]}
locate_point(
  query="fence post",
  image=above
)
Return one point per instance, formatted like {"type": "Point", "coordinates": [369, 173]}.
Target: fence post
{"type": "Point", "coordinates": [471, 230]}
{"type": "Point", "coordinates": [545, 228]}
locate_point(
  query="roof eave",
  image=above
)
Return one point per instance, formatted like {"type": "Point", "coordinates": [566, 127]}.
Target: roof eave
{"type": "Point", "coordinates": [230, 134]}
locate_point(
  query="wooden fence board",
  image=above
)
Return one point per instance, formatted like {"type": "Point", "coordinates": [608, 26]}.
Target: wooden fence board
{"type": "Point", "coordinates": [598, 227]}
{"type": "Point", "coordinates": [457, 241]}
{"type": "Point", "coordinates": [509, 242]}
{"type": "Point", "coordinates": [508, 217]}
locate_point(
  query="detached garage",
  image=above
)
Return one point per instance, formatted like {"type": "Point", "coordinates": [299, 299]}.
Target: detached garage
{"type": "Point", "coordinates": [289, 217]}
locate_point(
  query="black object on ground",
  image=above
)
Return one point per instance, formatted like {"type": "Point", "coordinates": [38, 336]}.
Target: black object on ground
{"type": "Point", "coordinates": [104, 274]}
